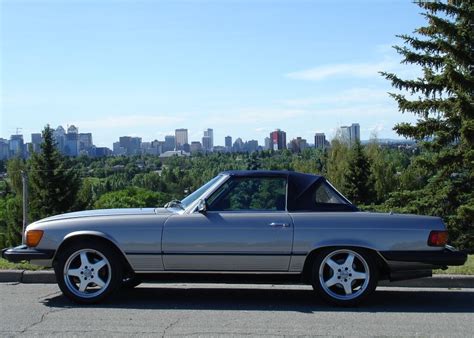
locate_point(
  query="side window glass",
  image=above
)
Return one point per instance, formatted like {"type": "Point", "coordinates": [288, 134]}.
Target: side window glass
{"type": "Point", "coordinates": [253, 193]}
{"type": "Point", "coordinates": [325, 195]}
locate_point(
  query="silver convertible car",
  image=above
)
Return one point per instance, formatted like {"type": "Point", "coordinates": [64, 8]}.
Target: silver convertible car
{"type": "Point", "coordinates": [241, 225]}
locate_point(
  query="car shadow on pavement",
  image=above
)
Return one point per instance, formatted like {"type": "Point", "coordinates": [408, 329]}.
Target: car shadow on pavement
{"type": "Point", "coordinates": [275, 299]}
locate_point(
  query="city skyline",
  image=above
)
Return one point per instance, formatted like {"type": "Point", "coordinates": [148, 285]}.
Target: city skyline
{"type": "Point", "coordinates": [73, 143]}
{"type": "Point", "coordinates": [243, 68]}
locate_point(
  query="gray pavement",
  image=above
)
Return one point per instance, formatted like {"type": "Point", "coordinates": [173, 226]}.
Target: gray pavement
{"type": "Point", "coordinates": [239, 310]}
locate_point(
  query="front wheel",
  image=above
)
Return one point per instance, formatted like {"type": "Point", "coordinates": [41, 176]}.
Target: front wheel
{"type": "Point", "coordinates": [88, 272]}
{"type": "Point", "coordinates": [344, 277]}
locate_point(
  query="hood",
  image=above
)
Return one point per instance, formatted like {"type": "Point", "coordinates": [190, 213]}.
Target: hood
{"type": "Point", "coordinates": [107, 212]}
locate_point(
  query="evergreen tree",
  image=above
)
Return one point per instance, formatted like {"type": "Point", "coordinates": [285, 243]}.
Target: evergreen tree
{"type": "Point", "coordinates": [357, 183]}
{"type": "Point", "coordinates": [53, 183]}
{"type": "Point", "coordinates": [444, 49]}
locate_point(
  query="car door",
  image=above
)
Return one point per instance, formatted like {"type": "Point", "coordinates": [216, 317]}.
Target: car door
{"type": "Point", "coordinates": [245, 228]}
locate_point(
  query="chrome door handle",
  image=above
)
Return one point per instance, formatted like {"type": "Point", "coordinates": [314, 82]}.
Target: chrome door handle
{"type": "Point", "coordinates": [283, 225]}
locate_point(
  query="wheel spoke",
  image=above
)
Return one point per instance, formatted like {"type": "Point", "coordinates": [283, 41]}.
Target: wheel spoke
{"type": "Point", "coordinates": [99, 265]}
{"type": "Point", "coordinates": [331, 281]}
{"type": "Point", "coordinates": [347, 287]}
{"type": "Point", "coordinates": [99, 282]}
{"type": "Point", "coordinates": [74, 272]}
{"type": "Point", "coordinates": [359, 275]}
{"type": "Point", "coordinates": [349, 260]}
{"type": "Point", "coordinates": [333, 265]}
{"type": "Point", "coordinates": [83, 285]}
{"type": "Point", "coordinates": [84, 259]}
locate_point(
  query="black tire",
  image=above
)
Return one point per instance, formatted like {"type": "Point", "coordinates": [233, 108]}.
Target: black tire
{"type": "Point", "coordinates": [131, 282]}
{"type": "Point", "coordinates": [340, 282]}
{"type": "Point", "coordinates": [89, 265]}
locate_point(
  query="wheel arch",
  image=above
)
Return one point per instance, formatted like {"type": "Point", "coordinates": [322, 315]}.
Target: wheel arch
{"type": "Point", "coordinates": [308, 263]}
{"type": "Point", "coordinates": [77, 236]}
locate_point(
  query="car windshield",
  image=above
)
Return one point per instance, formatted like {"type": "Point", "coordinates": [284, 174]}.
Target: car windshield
{"type": "Point", "coordinates": [187, 201]}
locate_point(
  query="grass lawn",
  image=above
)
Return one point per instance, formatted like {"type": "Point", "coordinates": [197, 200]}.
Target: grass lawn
{"type": "Point", "coordinates": [6, 265]}
{"type": "Point", "coordinates": [466, 269]}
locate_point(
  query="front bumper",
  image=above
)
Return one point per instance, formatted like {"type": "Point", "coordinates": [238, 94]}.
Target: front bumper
{"type": "Point", "coordinates": [23, 253]}
{"type": "Point", "coordinates": [445, 257]}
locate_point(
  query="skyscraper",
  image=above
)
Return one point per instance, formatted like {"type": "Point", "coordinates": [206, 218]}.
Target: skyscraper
{"type": "Point", "coordinates": [181, 138]}
{"type": "Point", "coordinates": [278, 139]}
{"type": "Point", "coordinates": [319, 140]}
{"type": "Point", "coordinates": [228, 142]}
{"type": "Point", "coordinates": [209, 133]}
{"type": "Point", "coordinates": [355, 133]}
{"type": "Point", "coordinates": [170, 143]}
{"type": "Point", "coordinates": [36, 139]}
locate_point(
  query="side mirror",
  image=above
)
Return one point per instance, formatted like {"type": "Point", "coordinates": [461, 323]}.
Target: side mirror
{"type": "Point", "coordinates": [202, 206]}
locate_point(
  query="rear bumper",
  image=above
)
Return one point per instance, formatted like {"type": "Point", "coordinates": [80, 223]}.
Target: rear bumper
{"type": "Point", "coordinates": [445, 257]}
{"type": "Point", "coordinates": [23, 253]}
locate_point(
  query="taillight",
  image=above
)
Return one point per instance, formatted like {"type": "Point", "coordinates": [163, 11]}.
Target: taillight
{"type": "Point", "coordinates": [33, 237]}
{"type": "Point", "coordinates": [438, 238]}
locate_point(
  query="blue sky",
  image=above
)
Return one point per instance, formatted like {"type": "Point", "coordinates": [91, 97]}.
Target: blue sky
{"type": "Point", "coordinates": [241, 67]}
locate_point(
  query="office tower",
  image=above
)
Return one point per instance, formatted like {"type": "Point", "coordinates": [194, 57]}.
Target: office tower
{"type": "Point", "coordinates": [206, 143]}
{"type": "Point", "coordinates": [355, 133]}
{"type": "Point", "coordinates": [85, 141]}
{"type": "Point", "coordinates": [228, 142]}
{"type": "Point", "coordinates": [36, 140]}
{"type": "Point", "coordinates": [4, 151]}
{"type": "Point", "coordinates": [17, 146]}
{"type": "Point", "coordinates": [209, 133]}
{"type": "Point", "coordinates": [278, 139]}
{"type": "Point", "coordinates": [181, 138]}
{"type": "Point", "coordinates": [59, 136]}
{"type": "Point", "coordinates": [170, 143]}
{"type": "Point", "coordinates": [320, 140]}
{"type": "Point", "coordinates": [298, 144]}
{"type": "Point", "coordinates": [196, 146]}
{"type": "Point", "coordinates": [268, 143]}
{"type": "Point", "coordinates": [251, 146]}
{"type": "Point", "coordinates": [350, 134]}
{"type": "Point", "coordinates": [238, 145]}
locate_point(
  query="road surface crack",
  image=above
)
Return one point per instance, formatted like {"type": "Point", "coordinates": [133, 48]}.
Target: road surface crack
{"type": "Point", "coordinates": [41, 320]}
{"type": "Point", "coordinates": [172, 324]}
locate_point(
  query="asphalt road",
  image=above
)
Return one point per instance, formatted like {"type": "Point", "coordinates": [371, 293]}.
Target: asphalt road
{"type": "Point", "coordinates": [239, 310]}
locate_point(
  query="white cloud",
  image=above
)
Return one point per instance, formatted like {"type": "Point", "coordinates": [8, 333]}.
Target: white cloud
{"type": "Point", "coordinates": [361, 70]}
{"type": "Point", "coordinates": [344, 97]}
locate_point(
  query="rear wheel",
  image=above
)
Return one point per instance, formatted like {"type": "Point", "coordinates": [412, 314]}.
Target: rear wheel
{"type": "Point", "coordinates": [344, 276]}
{"type": "Point", "coordinates": [88, 272]}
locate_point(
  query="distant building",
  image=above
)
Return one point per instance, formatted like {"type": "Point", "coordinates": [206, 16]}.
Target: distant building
{"type": "Point", "coordinates": [251, 146]}
{"type": "Point", "coordinates": [228, 142]}
{"type": "Point", "coordinates": [278, 139]}
{"type": "Point", "coordinates": [181, 138]}
{"type": "Point", "coordinates": [319, 140]}
{"type": "Point", "coordinates": [298, 145]}
{"type": "Point", "coordinates": [132, 145]}
{"type": "Point", "coordinates": [350, 134]}
{"type": "Point", "coordinates": [16, 146]}
{"type": "Point", "coordinates": [101, 152]}
{"type": "Point", "coordinates": [170, 143]}
{"type": "Point", "coordinates": [209, 133]}
{"type": "Point", "coordinates": [196, 146]}
{"type": "Point", "coordinates": [4, 149]}
{"type": "Point", "coordinates": [59, 136]}
{"type": "Point", "coordinates": [206, 143]}
{"type": "Point", "coordinates": [238, 145]}
{"type": "Point", "coordinates": [268, 143]}
{"type": "Point", "coordinates": [119, 150]}
{"type": "Point", "coordinates": [36, 140]}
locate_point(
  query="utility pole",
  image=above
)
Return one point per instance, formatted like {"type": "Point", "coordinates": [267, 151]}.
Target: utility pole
{"type": "Point", "coordinates": [24, 180]}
